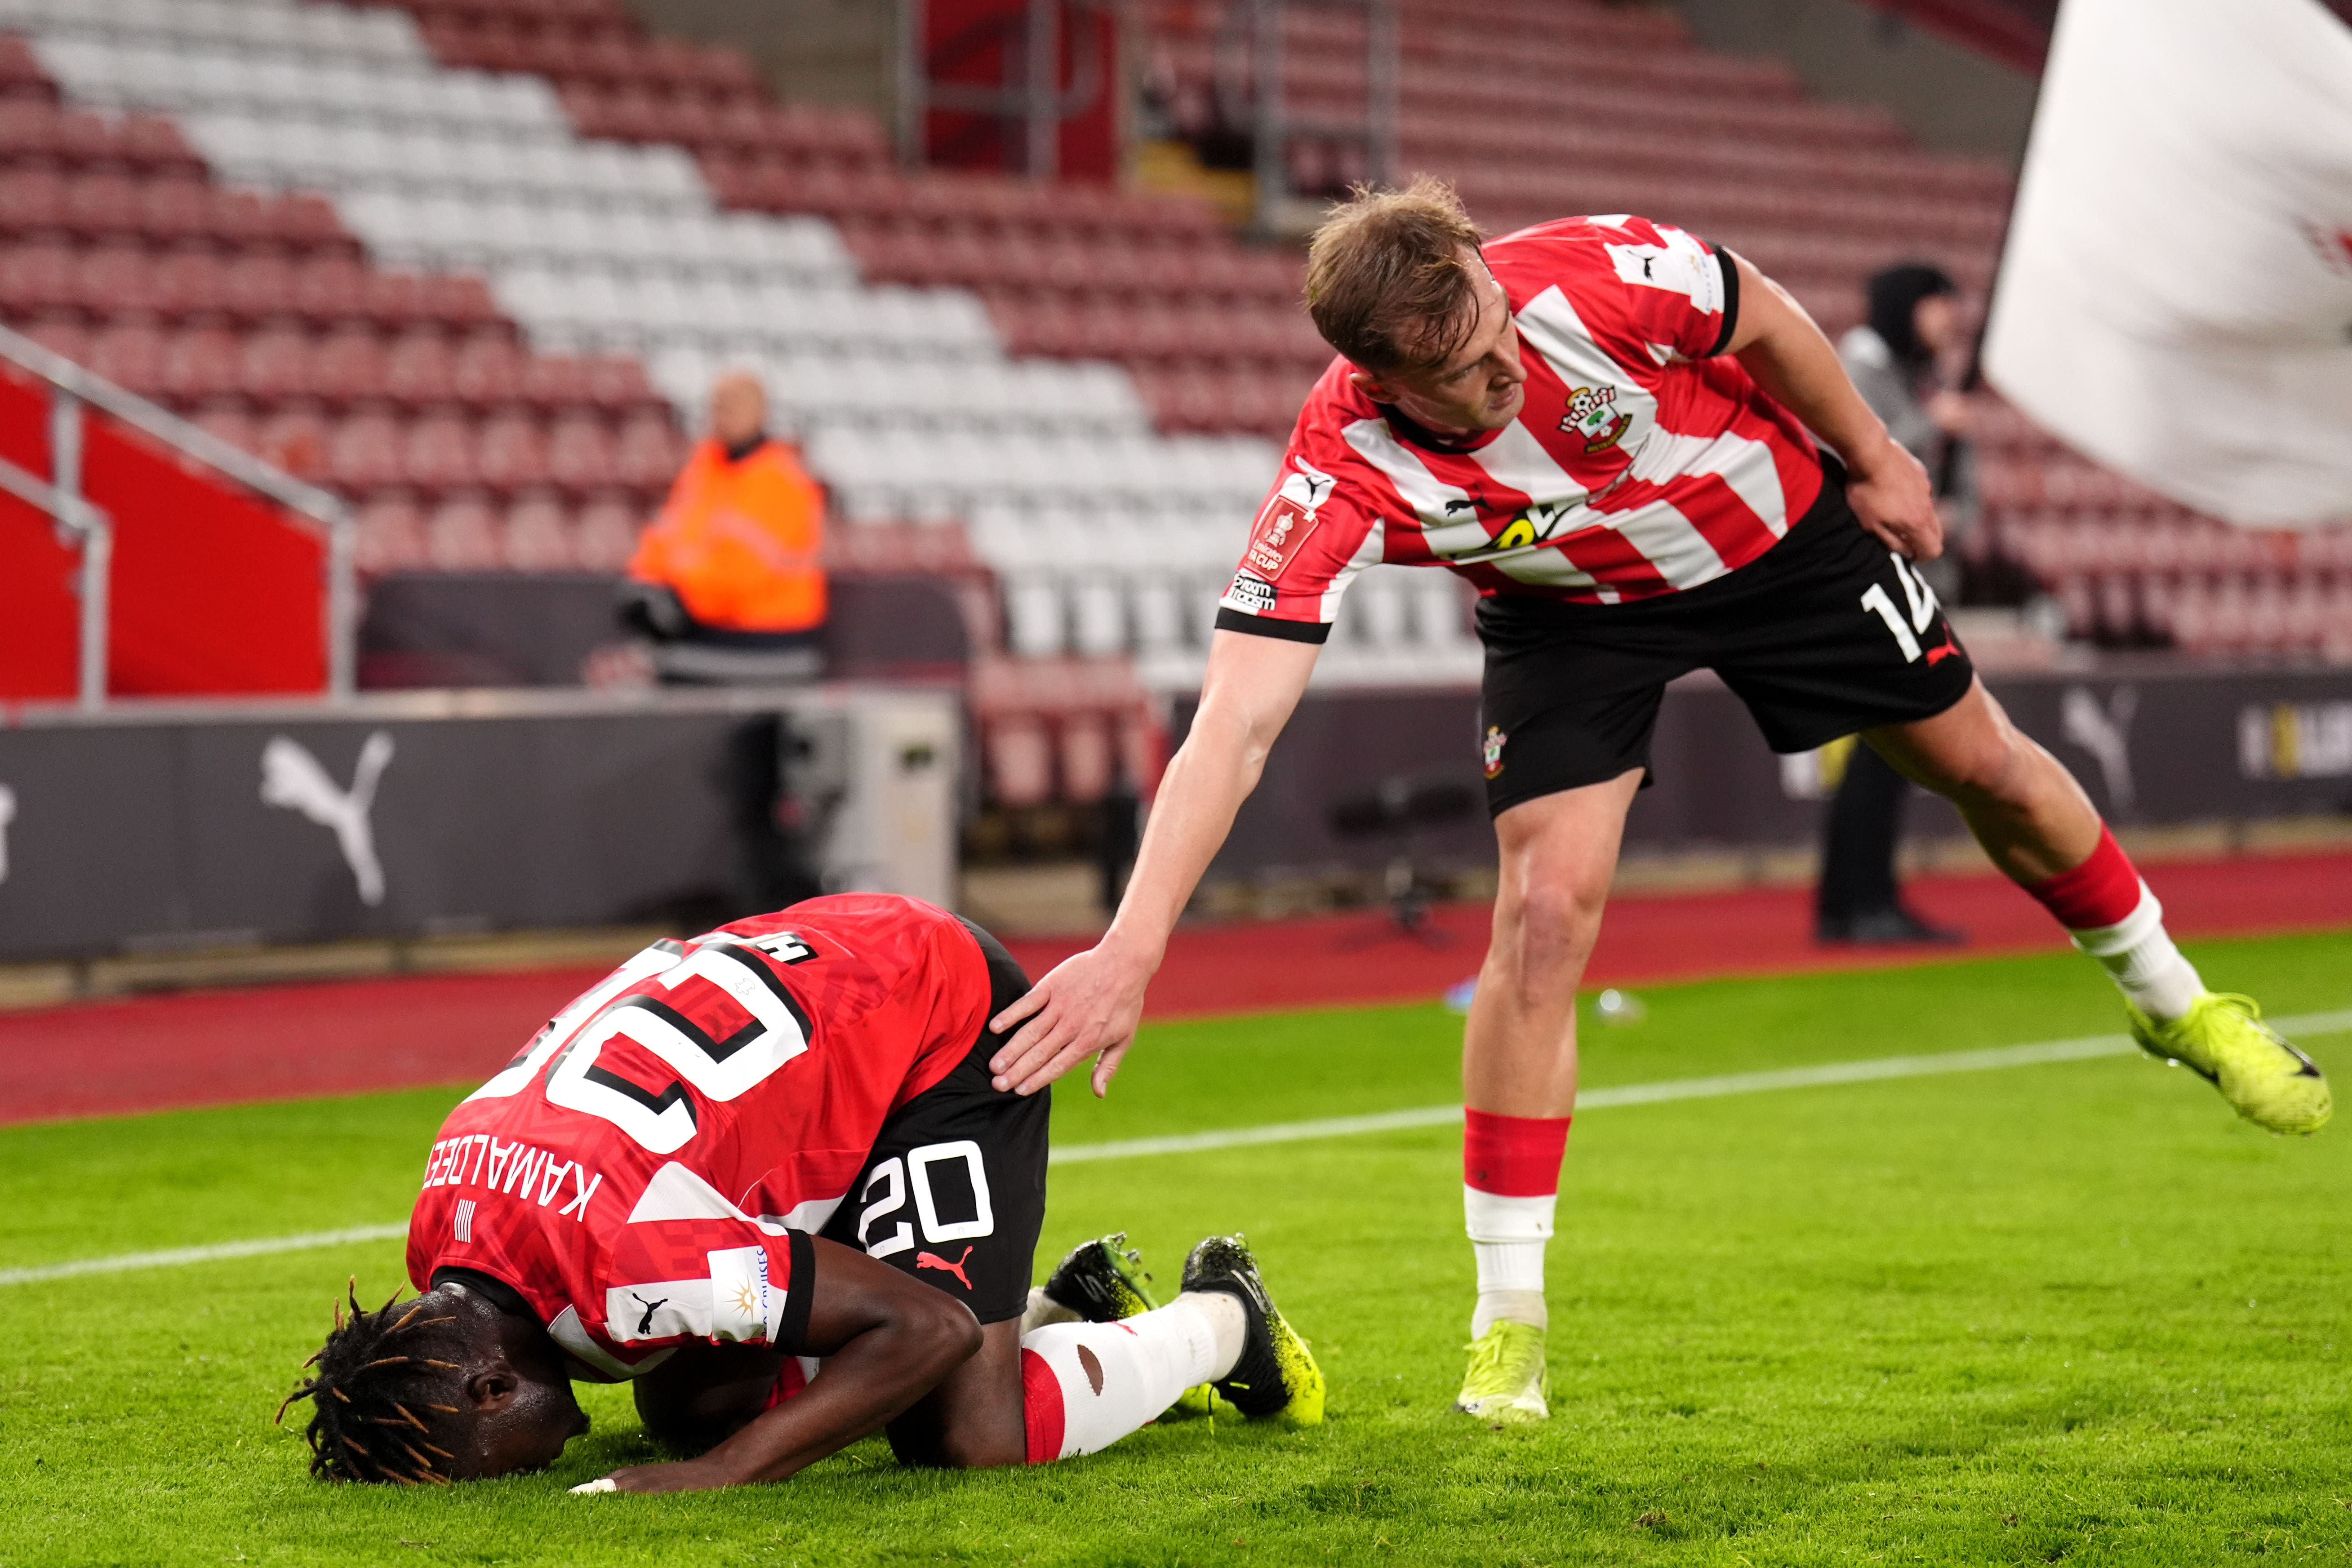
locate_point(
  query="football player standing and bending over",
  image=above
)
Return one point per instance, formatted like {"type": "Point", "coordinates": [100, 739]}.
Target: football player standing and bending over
{"type": "Point", "coordinates": [1610, 429]}
{"type": "Point", "coordinates": [778, 1140]}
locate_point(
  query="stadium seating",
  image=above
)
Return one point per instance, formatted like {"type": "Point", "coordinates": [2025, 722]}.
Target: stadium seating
{"type": "Point", "coordinates": [388, 367]}
{"type": "Point", "coordinates": [2133, 568]}
{"type": "Point", "coordinates": [1546, 109]}
{"type": "Point", "coordinates": [476, 261]}
{"type": "Point", "coordinates": [1553, 106]}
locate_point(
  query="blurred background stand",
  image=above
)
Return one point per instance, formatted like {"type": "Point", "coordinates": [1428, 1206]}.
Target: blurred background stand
{"type": "Point", "coordinates": [1397, 813]}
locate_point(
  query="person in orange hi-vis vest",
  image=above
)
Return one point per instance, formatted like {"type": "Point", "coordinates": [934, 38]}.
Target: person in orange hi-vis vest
{"type": "Point", "coordinates": [729, 581]}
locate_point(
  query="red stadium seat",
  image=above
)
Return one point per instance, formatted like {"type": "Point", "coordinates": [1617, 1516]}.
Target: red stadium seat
{"type": "Point", "coordinates": [440, 454]}
{"type": "Point", "coordinates": [259, 287]}
{"type": "Point", "coordinates": [391, 535]}
{"type": "Point", "coordinates": [84, 140]}
{"type": "Point", "coordinates": [176, 206]}
{"type": "Point", "coordinates": [744, 124]}
{"type": "Point", "coordinates": [553, 380]}
{"type": "Point", "coordinates": [394, 300]}
{"type": "Point", "coordinates": [33, 201]}
{"type": "Point", "coordinates": [1022, 260]}
{"type": "Point", "coordinates": [240, 218]}
{"type": "Point", "coordinates": [513, 453]}
{"type": "Point", "coordinates": [38, 277]}
{"type": "Point", "coordinates": [594, 111]}
{"type": "Point", "coordinates": [116, 279]}
{"type": "Point", "coordinates": [606, 535]}
{"type": "Point", "coordinates": [618, 384]}
{"type": "Point", "coordinates": [609, 60]}
{"type": "Point", "coordinates": [28, 130]}
{"type": "Point", "coordinates": [21, 73]}
{"type": "Point", "coordinates": [348, 365]}
{"type": "Point", "coordinates": [580, 453]}
{"type": "Point", "coordinates": [152, 144]}
{"type": "Point", "coordinates": [650, 452]}
{"type": "Point", "coordinates": [63, 337]}
{"type": "Point", "coordinates": [296, 441]}
{"type": "Point", "coordinates": [462, 535]}
{"type": "Point", "coordinates": [458, 300]}
{"type": "Point", "coordinates": [202, 361]}
{"type": "Point", "coordinates": [488, 370]}
{"type": "Point", "coordinates": [539, 536]}
{"type": "Point", "coordinates": [419, 369]}
{"type": "Point", "coordinates": [132, 356]}
{"type": "Point", "coordinates": [232, 425]}
{"type": "Point", "coordinates": [956, 255]}
{"type": "Point", "coordinates": [277, 365]}
{"type": "Point", "coordinates": [1089, 762]}
{"type": "Point", "coordinates": [1018, 749]}
{"type": "Point", "coordinates": [736, 182]}
{"type": "Point", "coordinates": [100, 205]}
{"type": "Point", "coordinates": [328, 288]}
{"type": "Point", "coordinates": [365, 452]}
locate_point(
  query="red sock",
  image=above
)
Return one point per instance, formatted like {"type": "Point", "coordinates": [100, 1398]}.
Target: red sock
{"type": "Point", "coordinates": [1041, 1409]}
{"type": "Point", "coordinates": [1513, 1156]}
{"type": "Point", "coordinates": [2102, 891]}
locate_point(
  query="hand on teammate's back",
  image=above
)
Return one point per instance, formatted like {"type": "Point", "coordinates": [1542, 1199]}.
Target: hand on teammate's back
{"type": "Point", "coordinates": [1890, 494]}
{"type": "Point", "coordinates": [1087, 1004]}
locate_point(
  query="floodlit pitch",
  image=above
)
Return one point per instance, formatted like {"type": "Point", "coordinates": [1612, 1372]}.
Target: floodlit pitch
{"type": "Point", "coordinates": [2062, 1308]}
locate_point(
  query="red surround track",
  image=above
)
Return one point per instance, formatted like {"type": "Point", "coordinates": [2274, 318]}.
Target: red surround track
{"type": "Point", "coordinates": [214, 1047]}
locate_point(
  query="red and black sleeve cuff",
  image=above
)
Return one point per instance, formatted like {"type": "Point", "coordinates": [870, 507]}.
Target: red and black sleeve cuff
{"type": "Point", "coordinates": [799, 1291]}
{"type": "Point", "coordinates": [1233, 620]}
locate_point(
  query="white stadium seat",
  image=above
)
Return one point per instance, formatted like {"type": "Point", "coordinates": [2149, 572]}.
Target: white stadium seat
{"type": "Point", "coordinates": [1106, 536]}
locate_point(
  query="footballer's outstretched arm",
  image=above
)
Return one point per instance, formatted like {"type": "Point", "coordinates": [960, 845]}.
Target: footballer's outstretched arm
{"type": "Point", "coordinates": [1088, 1004]}
{"type": "Point", "coordinates": [888, 1341]}
{"type": "Point", "coordinates": [1779, 344]}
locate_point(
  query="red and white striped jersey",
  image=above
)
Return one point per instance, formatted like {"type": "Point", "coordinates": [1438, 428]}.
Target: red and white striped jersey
{"type": "Point", "coordinates": [645, 1170]}
{"type": "Point", "coordinates": [1642, 461]}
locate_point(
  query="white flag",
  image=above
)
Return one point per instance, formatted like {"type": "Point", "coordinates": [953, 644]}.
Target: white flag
{"type": "Point", "coordinates": [2176, 297]}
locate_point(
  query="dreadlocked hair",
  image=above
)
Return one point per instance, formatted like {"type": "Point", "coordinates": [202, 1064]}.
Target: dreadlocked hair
{"type": "Point", "coordinates": [379, 1392]}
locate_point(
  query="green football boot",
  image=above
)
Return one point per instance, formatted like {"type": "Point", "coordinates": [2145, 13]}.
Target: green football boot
{"type": "Point", "coordinates": [1508, 1382]}
{"type": "Point", "coordinates": [1276, 1375]}
{"type": "Point", "coordinates": [1101, 1280]}
{"type": "Point", "coordinates": [2224, 1040]}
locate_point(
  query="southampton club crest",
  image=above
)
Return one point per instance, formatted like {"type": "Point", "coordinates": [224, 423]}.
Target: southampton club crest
{"type": "Point", "coordinates": [1493, 749]}
{"type": "Point", "coordinates": [1592, 414]}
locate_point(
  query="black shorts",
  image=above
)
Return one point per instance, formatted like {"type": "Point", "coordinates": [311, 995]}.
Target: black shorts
{"type": "Point", "coordinates": [1824, 635]}
{"type": "Point", "coordinates": [954, 1190]}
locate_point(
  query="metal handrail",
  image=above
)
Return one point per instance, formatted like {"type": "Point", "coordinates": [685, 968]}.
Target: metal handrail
{"type": "Point", "coordinates": [72, 387]}
{"type": "Point", "coordinates": [1254, 30]}
{"type": "Point", "coordinates": [1036, 101]}
{"type": "Point", "coordinates": [75, 515]}
{"type": "Point", "coordinates": [71, 512]}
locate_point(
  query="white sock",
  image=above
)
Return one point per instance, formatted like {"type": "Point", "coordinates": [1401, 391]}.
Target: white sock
{"type": "Point", "coordinates": [2138, 955]}
{"type": "Point", "coordinates": [1508, 1235]}
{"type": "Point", "coordinates": [1114, 1378]}
{"type": "Point", "coordinates": [1042, 1310]}
{"type": "Point", "coordinates": [1227, 1321]}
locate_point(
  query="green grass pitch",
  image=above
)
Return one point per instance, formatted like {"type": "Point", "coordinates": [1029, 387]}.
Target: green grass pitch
{"type": "Point", "coordinates": [2069, 1313]}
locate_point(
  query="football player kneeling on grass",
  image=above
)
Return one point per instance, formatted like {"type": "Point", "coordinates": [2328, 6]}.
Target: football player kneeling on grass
{"type": "Point", "coordinates": [763, 1176]}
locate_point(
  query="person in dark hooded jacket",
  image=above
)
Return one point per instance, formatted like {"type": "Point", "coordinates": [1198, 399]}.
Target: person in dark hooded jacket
{"type": "Point", "coordinates": [1894, 361]}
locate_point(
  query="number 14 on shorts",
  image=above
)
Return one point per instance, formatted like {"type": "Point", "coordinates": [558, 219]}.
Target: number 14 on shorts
{"type": "Point", "coordinates": [1876, 601]}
